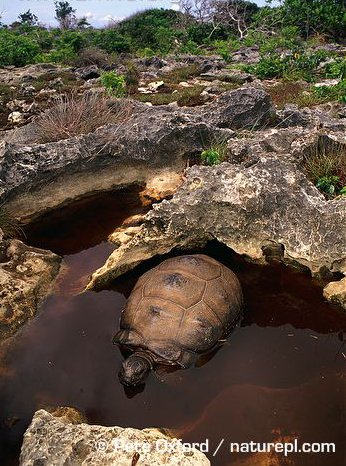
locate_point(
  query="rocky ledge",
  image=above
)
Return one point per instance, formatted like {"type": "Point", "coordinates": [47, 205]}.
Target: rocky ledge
{"type": "Point", "coordinates": [61, 438]}
{"type": "Point", "coordinates": [261, 205]}
{"type": "Point", "coordinates": [151, 142]}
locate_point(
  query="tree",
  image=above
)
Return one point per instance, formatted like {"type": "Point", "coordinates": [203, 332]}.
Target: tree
{"type": "Point", "coordinates": [312, 16]}
{"type": "Point", "coordinates": [235, 13]}
{"type": "Point", "coordinates": [28, 18]}
{"type": "Point", "coordinates": [65, 14]}
{"type": "Point", "coordinates": [200, 10]}
{"type": "Point", "coordinates": [82, 23]}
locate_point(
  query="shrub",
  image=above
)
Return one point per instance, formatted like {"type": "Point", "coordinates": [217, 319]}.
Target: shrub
{"type": "Point", "coordinates": [329, 184]}
{"type": "Point", "coordinates": [114, 83]}
{"type": "Point", "coordinates": [111, 40]}
{"type": "Point", "coordinates": [189, 47]}
{"type": "Point", "coordinates": [326, 167]}
{"type": "Point", "coordinates": [151, 28]}
{"type": "Point", "coordinates": [132, 76]}
{"type": "Point", "coordinates": [271, 66]}
{"type": "Point", "coordinates": [336, 69]}
{"type": "Point", "coordinates": [92, 56]}
{"type": "Point", "coordinates": [65, 55]}
{"type": "Point", "coordinates": [296, 66]}
{"type": "Point", "coordinates": [327, 16]}
{"type": "Point", "coordinates": [16, 50]}
{"type": "Point", "coordinates": [73, 115]}
{"type": "Point", "coordinates": [147, 52]}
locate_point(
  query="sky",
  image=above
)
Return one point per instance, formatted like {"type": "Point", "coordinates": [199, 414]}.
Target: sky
{"type": "Point", "coordinates": [98, 12]}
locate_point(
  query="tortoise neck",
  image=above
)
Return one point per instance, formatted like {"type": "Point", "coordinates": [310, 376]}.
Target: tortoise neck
{"type": "Point", "coordinates": [145, 355]}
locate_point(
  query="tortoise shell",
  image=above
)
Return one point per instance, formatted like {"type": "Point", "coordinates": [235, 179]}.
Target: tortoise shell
{"type": "Point", "coordinates": [181, 309]}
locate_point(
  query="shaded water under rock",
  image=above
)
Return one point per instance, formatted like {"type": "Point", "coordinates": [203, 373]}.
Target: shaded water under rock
{"type": "Point", "coordinates": [280, 376]}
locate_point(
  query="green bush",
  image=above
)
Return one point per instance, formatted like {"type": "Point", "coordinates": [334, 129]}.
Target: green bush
{"type": "Point", "coordinates": [298, 65]}
{"type": "Point", "coordinates": [189, 47]}
{"type": "Point", "coordinates": [64, 54]}
{"type": "Point", "coordinates": [16, 50]}
{"type": "Point", "coordinates": [210, 157]}
{"type": "Point", "coordinates": [152, 28]}
{"type": "Point", "coordinates": [327, 16]}
{"type": "Point", "coordinates": [114, 83]}
{"type": "Point", "coordinates": [111, 40]}
{"type": "Point", "coordinates": [336, 69]}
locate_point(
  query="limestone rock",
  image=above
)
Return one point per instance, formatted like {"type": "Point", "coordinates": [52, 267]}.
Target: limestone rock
{"type": "Point", "coordinates": [53, 440]}
{"type": "Point", "coordinates": [35, 178]}
{"type": "Point", "coordinates": [26, 274]}
{"type": "Point", "coordinates": [335, 292]}
{"type": "Point", "coordinates": [243, 206]}
{"type": "Point", "coordinates": [242, 108]}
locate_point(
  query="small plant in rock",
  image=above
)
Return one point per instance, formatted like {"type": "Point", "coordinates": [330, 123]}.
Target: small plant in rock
{"type": "Point", "coordinates": [328, 184]}
{"type": "Point", "coordinates": [114, 83]}
{"type": "Point", "coordinates": [211, 157]}
{"type": "Point", "coordinates": [215, 154]}
{"type": "Point", "coordinates": [326, 167]}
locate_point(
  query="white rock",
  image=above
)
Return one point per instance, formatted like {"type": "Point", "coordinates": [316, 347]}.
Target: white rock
{"type": "Point", "coordinates": [15, 118]}
{"type": "Point", "coordinates": [60, 439]}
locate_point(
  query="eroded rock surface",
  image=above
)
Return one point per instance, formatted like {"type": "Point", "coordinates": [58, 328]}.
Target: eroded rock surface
{"type": "Point", "coordinates": [245, 206]}
{"type": "Point", "coordinates": [26, 275]}
{"type": "Point", "coordinates": [60, 439]}
{"type": "Point", "coordinates": [38, 177]}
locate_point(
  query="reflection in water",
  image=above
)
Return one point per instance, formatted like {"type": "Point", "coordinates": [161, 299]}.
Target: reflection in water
{"type": "Point", "coordinates": [281, 371]}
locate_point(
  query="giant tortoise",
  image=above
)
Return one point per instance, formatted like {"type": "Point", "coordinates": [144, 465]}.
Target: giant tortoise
{"type": "Point", "coordinates": [177, 311]}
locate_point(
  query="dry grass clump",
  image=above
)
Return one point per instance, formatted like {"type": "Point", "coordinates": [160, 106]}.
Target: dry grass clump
{"type": "Point", "coordinates": [290, 92]}
{"type": "Point", "coordinates": [74, 114]}
{"type": "Point", "coordinates": [185, 97]}
{"type": "Point", "coordinates": [325, 165]}
{"type": "Point", "coordinates": [183, 73]}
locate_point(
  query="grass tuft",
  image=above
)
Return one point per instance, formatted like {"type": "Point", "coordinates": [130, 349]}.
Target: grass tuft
{"type": "Point", "coordinates": [326, 167]}
{"type": "Point", "coordinates": [73, 115]}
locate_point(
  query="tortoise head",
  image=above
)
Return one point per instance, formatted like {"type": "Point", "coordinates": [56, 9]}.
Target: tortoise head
{"type": "Point", "coordinates": [135, 370]}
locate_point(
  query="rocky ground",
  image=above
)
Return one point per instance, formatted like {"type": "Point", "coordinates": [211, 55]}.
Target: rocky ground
{"type": "Point", "coordinates": [260, 201]}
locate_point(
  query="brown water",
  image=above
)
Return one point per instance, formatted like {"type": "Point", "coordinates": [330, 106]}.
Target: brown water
{"type": "Point", "coordinates": [281, 374]}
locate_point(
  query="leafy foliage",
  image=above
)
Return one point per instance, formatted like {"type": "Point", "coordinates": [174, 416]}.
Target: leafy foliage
{"type": "Point", "coordinates": [331, 93]}
{"type": "Point", "coordinates": [216, 153]}
{"type": "Point", "coordinates": [15, 49]}
{"type": "Point", "coordinates": [114, 83]}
